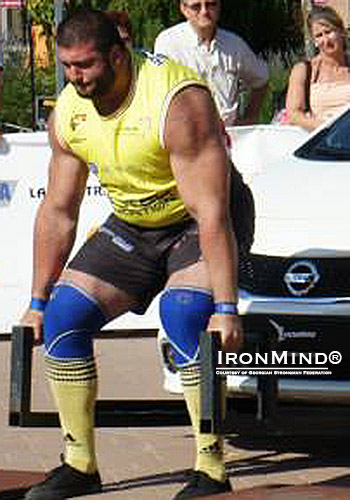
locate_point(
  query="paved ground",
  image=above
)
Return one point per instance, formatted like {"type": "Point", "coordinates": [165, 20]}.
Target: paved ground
{"type": "Point", "coordinates": [151, 463]}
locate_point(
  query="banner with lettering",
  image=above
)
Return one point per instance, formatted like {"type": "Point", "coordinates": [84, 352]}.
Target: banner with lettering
{"type": "Point", "coordinates": [12, 4]}
{"type": "Point", "coordinates": [24, 159]}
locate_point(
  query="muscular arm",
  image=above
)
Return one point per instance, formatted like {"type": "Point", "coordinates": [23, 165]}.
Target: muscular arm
{"type": "Point", "coordinates": [56, 222]}
{"type": "Point", "coordinates": [198, 161]}
{"type": "Point", "coordinates": [296, 100]}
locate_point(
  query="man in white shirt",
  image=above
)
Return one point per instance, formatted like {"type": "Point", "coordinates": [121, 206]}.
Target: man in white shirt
{"type": "Point", "coordinates": [221, 57]}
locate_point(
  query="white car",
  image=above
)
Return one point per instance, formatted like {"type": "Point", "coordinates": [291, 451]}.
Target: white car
{"type": "Point", "coordinates": [296, 282]}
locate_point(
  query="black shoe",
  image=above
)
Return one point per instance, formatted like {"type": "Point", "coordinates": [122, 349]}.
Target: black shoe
{"type": "Point", "coordinates": [201, 485]}
{"type": "Point", "coordinates": [65, 482]}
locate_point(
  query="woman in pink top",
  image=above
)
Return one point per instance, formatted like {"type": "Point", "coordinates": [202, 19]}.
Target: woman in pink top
{"type": "Point", "coordinates": [320, 88]}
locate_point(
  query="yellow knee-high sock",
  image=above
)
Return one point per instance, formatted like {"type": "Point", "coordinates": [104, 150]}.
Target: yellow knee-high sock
{"type": "Point", "coordinates": [210, 447]}
{"type": "Point", "coordinates": [74, 387]}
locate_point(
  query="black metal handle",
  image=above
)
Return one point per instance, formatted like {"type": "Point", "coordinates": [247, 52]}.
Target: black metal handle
{"type": "Point", "coordinates": [21, 373]}
{"type": "Point", "coordinates": [211, 384]}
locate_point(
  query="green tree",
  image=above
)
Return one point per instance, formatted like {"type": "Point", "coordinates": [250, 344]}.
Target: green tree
{"type": "Point", "coordinates": [147, 18]}
{"type": "Point", "coordinates": [42, 13]}
{"type": "Point", "coordinates": [272, 27]}
{"type": "Point", "coordinates": [268, 25]}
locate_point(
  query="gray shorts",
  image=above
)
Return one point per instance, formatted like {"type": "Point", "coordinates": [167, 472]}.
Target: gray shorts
{"type": "Point", "coordinates": [138, 260]}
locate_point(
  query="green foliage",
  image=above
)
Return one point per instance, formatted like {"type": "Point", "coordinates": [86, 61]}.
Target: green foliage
{"type": "Point", "coordinates": [279, 69]}
{"type": "Point", "coordinates": [16, 98]}
{"type": "Point", "coordinates": [267, 25]}
{"type": "Point", "coordinates": [148, 18]}
{"type": "Point", "coordinates": [42, 12]}
{"type": "Point", "coordinates": [95, 4]}
{"type": "Point", "coordinates": [17, 88]}
{"type": "Point", "coordinates": [272, 27]}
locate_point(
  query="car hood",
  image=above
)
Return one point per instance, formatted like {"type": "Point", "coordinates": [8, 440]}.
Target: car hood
{"type": "Point", "coordinates": [302, 206]}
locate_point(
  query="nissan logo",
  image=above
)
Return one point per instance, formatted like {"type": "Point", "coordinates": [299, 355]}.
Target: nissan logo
{"type": "Point", "coordinates": [301, 277]}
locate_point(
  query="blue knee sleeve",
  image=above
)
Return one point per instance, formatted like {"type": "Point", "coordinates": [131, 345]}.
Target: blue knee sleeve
{"type": "Point", "coordinates": [184, 313]}
{"type": "Point", "coordinates": [70, 320]}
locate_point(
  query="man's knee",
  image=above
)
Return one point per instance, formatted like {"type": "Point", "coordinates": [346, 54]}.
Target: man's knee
{"type": "Point", "coordinates": [71, 318]}
{"type": "Point", "coordinates": [184, 313]}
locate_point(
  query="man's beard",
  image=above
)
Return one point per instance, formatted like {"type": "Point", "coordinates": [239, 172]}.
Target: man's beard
{"type": "Point", "coordinates": [103, 85]}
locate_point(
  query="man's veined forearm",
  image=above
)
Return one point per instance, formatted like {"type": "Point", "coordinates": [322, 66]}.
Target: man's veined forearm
{"type": "Point", "coordinates": [220, 253]}
{"type": "Point", "coordinates": [54, 237]}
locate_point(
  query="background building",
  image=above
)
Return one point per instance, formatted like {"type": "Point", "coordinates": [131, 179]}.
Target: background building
{"type": "Point", "coordinates": [11, 19]}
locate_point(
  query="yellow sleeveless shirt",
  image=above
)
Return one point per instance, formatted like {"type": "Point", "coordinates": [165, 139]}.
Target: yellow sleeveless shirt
{"type": "Point", "coordinates": [126, 149]}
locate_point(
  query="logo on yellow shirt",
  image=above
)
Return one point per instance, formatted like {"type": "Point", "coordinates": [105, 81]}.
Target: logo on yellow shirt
{"type": "Point", "coordinates": [76, 120]}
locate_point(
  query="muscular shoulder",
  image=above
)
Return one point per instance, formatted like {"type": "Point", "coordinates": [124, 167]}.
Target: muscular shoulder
{"type": "Point", "coordinates": [192, 118]}
{"type": "Point", "coordinates": [61, 116]}
{"type": "Point", "coordinates": [57, 141]}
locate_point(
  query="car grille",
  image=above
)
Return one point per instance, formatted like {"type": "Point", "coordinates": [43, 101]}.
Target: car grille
{"type": "Point", "coordinates": [265, 275]}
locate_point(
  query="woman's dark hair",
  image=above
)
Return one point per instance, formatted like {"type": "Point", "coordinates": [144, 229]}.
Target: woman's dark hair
{"type": "Point", "coordinates": [325, 15]}
{"type": "Point", "coordinates": [86, 25]}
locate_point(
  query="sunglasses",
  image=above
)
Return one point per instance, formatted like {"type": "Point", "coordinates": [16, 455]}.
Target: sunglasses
{"type": "Point", "coordinates": [197, 7]}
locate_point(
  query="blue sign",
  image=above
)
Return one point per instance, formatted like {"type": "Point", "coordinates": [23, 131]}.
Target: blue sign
{"type": "Point", "coordinates": [7, 189]}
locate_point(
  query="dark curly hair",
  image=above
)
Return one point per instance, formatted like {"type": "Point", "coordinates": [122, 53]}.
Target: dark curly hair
{"type": "Point", "coordinates": [86, 25]}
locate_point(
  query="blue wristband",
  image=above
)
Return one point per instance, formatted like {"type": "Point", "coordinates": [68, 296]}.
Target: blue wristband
{"type": "Point", "coordinates": [38, 304]}
{"type": "Point", "coordinates": [226, 308]}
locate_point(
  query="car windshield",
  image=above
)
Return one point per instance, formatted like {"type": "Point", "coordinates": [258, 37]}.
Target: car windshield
{"type": "Point", "coordinates": [331, 143]}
